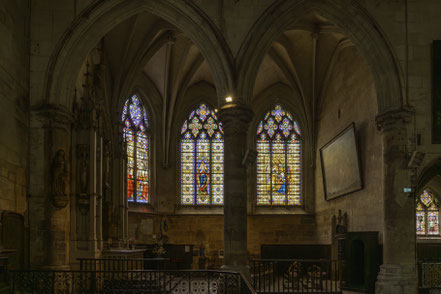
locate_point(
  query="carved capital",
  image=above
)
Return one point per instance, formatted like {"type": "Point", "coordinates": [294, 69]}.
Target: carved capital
{"type": "Point", "coordinates": [235, 119]}
{"type": "Point", "coordinates": [54, 116]}
{"type": "Point", "coordinates": [394, 119]}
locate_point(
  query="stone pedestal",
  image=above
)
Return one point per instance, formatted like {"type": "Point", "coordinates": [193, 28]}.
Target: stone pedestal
{"type": "Point", "coordinates": [398, 272]}
{"type": "Point", "coordinates": [235, 121]}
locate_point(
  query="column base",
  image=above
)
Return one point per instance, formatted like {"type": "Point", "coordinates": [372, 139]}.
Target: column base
{"type": "Point", "coordinates": [397, 279]}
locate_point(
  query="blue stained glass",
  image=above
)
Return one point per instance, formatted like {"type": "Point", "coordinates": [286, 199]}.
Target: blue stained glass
{"type": "Point", "coordinates": [137, 150]}
{"type": "Point", "coordinates": [135, 114]}
{"type": "Point", "coordinates": [201, 159]}
{"type": "Point", "coordinates": [297, 128]}
{"type": "Point", "coordinates": [202, 112]}
{"type": "Point", "coordinates": [125, 110]}
{"type": "Point", "coordinates": [271, 127]}
{"type": "Point", "coordinates": [145, 119]}
{"type": "Point", "coordinates": [279, 159]}
{"type": "Point", "coordinates": [184, 127]}
{"type": "Point", "coordinates": [260, 128]}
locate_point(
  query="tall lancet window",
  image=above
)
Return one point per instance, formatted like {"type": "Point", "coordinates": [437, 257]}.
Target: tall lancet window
{"type": "Point", "coordinates": [202, 159]}
{"type": "Point", "coordinates": [427, 215]}
{"type": "Point", "coordinates": [135, 134]}
{"type": "Point", "coordinates": [279, 159]}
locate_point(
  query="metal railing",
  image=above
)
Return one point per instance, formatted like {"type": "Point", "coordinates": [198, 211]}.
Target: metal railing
{"type": "Point", "coordinates": [296, 276]}
{"type": "Point", "coordinates": [76, 282]}
{"type": "Point", "coordinates": [122, 264]}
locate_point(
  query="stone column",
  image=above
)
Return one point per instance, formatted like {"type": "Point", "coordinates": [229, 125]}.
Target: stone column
{"type": "Point", "coordinates": [397, 273]}
{"type": "Point", "coordinates": [49, 191]}
{"type": "Point", "coordinates": [118, 208]}
{"type": "Point", "coordinates": [235, 121]}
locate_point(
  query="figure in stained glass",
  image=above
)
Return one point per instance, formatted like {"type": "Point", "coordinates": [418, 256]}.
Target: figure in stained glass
{"type": "Point", "coordinates": [427, 215]}
{"type": "Point", "coordinates": [135, 135]}
{"type": "Point", "coordinates": [202, 148]}
{"type": "Point", "coordinates": [279, 159]}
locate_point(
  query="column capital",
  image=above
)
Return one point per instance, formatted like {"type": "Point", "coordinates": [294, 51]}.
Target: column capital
{"type": "Point", "coordinates": [394, 118]}
{"type": "Point", "coordinates": [51, 116]}
{"type": "Point", "coordinates": [235, 118]}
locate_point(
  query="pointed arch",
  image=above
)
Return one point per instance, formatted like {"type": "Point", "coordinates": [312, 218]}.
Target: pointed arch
{"type": "Point", "coordinates": [101, 16]}
{"type": "Point", "coordinates": [202, 158]}
{"type": "Point", "coordinates": [351, 18]}
{"type": "Point", "coordinates": [427, 214]}
{"type": "Point", "coordinates": [135, 126]}
{"type": "Point", "coordinates": [279, 160]}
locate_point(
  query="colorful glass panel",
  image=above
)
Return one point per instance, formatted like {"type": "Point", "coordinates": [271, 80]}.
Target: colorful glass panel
{"type": "Point", "coordinates": [420, 223]}
{"type": "Point", "coordinates": [427, 215]}
{"type": "Point", "coordinates": [137, 145]}
{"type": "Point", "coordinates": [202, 159]}
{"type": "Point", "coordinates": [426, 197]}
{"type": "Point", "coordinates": [433, 223]}
{"type": "Point", "coordinates": [278, 159]}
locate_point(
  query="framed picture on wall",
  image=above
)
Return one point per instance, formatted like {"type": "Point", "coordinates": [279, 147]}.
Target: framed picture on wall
{"type": "Point", "coordinates": [341, 164]}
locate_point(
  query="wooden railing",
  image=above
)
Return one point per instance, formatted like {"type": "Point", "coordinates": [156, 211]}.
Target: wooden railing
{"type": "Point", "coordinates": [296, 275]}
{"type": "Point", "coordinates": [121, 264]}
{"type": "Point", "coordinates": [97, 282]}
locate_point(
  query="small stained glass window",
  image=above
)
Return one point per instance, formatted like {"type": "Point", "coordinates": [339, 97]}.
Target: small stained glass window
{"type": "Point", "coordinates": [427, 215]}
{"type": "Point", "coordinates": [279, 159]}
{"type": "Point", "coordinates": [135, 125]}
{"type": "Point", "coordinates": [202, 159]}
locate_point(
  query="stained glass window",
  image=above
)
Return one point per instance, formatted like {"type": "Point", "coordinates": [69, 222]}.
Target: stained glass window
{"type": "Point", "coordinates": [135, 134]}
{"type": "Point", "coordinates": [279, 159]}
{"type": "Point", "coordinates": [202, 159]}
{"type": "Point", "coordinates": [427, 215]}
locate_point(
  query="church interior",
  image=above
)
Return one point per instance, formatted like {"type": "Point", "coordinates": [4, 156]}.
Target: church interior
{"type": "Point", "coordinates": [250, 146]}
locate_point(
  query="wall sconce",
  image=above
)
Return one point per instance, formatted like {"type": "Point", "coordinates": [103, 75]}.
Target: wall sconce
{"type": "Point", "coordinates": [229, 99]}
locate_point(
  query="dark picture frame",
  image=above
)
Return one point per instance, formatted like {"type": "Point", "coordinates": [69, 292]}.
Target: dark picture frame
{"type": "Point", "coordinates": [341, 164]}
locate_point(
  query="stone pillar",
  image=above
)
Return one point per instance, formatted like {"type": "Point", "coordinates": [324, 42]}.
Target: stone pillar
{"type": "Point", "coordinates": [397, 273]}
{"type": "Point", "coordinates": [118, 208]}
{"type": "Point", "coordinates": [49, 191]}
{"type": "Point", "coordinates": [235, 121]}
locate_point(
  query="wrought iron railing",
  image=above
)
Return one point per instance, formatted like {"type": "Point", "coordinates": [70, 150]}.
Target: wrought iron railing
{"type": "Point", "coordinates": [76, 282]}
{"type": "Point", "coordinates": [429, 273]}
{"type": "Point", "coordinates": [122, 264]}
{"type": "Point", "coordinates": [296, 275]}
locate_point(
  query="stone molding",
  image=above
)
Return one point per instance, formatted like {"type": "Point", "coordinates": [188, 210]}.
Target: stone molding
{"type": "Point", "coordinates": [54, 116]}
{"type": "Point", "coordinates": [353, 19]}
{"type": "Point", "coordinates": [235, 119]}
{"type": "Point", "coordinates": [100, 17]}
{"type": "Point", "coordinates": [394, 119]}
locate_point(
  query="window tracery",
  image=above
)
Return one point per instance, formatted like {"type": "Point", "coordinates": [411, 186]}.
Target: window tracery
{"type": "Point", "coordinates": [135, 135]}
{"type": "Point", "coordinates": [202, 159]}
{"type": "Point", "coordinates": [427, 214]}
{"type": "Point", "coordinates": [279, 159]}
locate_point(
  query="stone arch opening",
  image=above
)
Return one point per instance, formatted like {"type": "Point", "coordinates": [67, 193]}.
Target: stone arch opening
{"type": "Point", "coordinates": [352, 19]}
{"type": "Point", "coordinates": [99, 18]}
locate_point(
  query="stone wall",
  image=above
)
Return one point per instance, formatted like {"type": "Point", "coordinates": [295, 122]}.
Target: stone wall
{"type": "Point", "coordinates": [351, 98]}
{"type": "Point", "coordinates": [14, 102]}
{"type": "Point", "coordinates": [208, 230]}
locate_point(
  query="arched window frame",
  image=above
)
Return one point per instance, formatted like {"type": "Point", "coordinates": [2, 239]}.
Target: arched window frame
{"type": "Point", "coordinates": [185, 122]}
{"type": "Point", "coordinates": [257, 130]}
{"type": "Point", "coordinates": [145, 119]}
{"type": "Point", "coordinates": [427, 207]}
